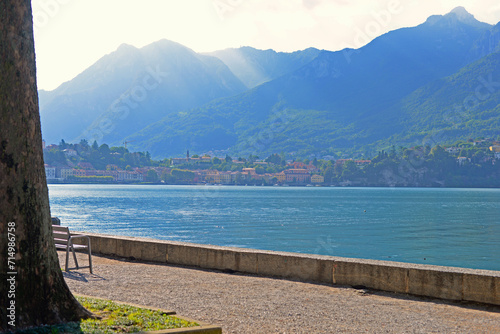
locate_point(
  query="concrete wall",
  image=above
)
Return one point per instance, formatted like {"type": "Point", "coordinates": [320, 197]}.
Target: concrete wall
{"type": "Point", "coordinates": [481, 286]}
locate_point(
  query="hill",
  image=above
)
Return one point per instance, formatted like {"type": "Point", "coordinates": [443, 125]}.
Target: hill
{"type": "Point", "coordinates": [345, 101]}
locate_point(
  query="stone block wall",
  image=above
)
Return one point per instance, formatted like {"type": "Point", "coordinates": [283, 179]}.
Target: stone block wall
{"type": "Point", "coordinates": [450, 283]}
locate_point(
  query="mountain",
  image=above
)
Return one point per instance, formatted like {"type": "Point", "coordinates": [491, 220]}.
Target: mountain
{"type": "Point", "coordinates": [254, 67]}
{"type": "Point", "coordinates": [488, 43]}
{"type": "Point", "coordinates": [433, 83]}
{"type": "Point", "coordinates": [350, 100]}
{"type": "Point", "coordinates": [461, 106]}
{"type": "Point", "coordinates": [68, 110]}
{"type": "Point", "coordinates": [458, 14]}
{"type": "Point", "coordinates": [131, 88]}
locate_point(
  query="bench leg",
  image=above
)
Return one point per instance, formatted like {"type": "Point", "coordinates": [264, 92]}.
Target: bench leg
{"type": "Point", "coordinates": [90, 259]}
{"type": "Point", "coordinates": [74, 257]}
{"type": "Point", "coordinates": [67, 258]}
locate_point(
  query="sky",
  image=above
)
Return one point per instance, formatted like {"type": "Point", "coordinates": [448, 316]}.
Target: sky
{"type": "Point", "coordinates": [71, 35]}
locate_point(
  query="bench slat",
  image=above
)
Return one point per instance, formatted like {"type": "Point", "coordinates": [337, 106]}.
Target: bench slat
{"type": "Point", "coordinates": [60, 228]}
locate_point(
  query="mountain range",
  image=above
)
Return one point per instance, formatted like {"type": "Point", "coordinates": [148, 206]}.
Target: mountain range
{"type": "Point", "coordinates": [430, 84]}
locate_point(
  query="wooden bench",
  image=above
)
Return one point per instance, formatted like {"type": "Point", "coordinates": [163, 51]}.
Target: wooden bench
{"type": "Point", "coordinates": [64, 240]}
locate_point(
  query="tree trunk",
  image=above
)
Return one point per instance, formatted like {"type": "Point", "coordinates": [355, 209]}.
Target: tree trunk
{"type": "Point", "coordinates": [32, 287]}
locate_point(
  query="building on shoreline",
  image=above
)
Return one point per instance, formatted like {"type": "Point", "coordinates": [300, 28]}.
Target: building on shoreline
{"type": "Point", "coordinates": [297, 176]}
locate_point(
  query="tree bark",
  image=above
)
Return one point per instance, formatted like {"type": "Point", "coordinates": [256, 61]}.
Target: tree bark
{"type": "Point", "coordinates": [32, 288]}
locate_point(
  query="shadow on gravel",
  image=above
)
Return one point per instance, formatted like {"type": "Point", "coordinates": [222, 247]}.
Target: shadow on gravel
{"type": "Point", "coordinates": [457, 303]}
{"type": "Point", "coordinates": [82, 277]}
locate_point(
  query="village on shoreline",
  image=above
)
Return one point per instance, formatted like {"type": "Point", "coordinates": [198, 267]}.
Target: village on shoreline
{"type": "Point", "coordinates": [467, 164]}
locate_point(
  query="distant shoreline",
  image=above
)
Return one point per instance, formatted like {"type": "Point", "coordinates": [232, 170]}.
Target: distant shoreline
{"type": "Point", "coordinates": [267, 185]}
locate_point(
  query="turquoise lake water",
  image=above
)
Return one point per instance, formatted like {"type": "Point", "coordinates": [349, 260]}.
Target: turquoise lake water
{"type": "Point", "coordinates": [449, 227]}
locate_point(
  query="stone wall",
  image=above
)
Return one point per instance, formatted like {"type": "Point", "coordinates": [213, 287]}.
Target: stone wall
{"type": "Point", "coordinates": [450, 283]}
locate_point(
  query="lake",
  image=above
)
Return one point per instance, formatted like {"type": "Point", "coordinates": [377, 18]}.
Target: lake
{"type": "Point", "coordinates": [449, 227]}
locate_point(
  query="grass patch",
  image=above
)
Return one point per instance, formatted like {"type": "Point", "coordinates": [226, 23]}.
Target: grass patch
{"type": "Point", "coordinates": [115, 318]}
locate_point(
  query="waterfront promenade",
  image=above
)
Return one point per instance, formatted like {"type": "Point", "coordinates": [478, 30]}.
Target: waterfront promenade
{"type": "Point", "coordinates": [254, 304]}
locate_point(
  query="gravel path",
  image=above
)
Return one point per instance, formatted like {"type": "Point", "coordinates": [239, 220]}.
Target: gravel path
{"type": "Point", "coordinates": [254, 304]}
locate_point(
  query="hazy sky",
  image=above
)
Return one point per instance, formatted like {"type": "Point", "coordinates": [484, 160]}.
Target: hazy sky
{"type": "Point", "coordinates": [70, 35]}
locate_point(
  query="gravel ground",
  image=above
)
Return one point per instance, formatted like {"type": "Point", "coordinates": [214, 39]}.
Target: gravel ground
{"type": "Point", "coordinates": [253, 304]}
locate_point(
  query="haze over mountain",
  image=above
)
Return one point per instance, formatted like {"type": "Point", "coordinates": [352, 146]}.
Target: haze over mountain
{"type": "Point", "coordinates": [398, 89]}
{"type": "Point", "coordinates": [130, 88]}
{"type": "Point", "coordinates": [254, 67]}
